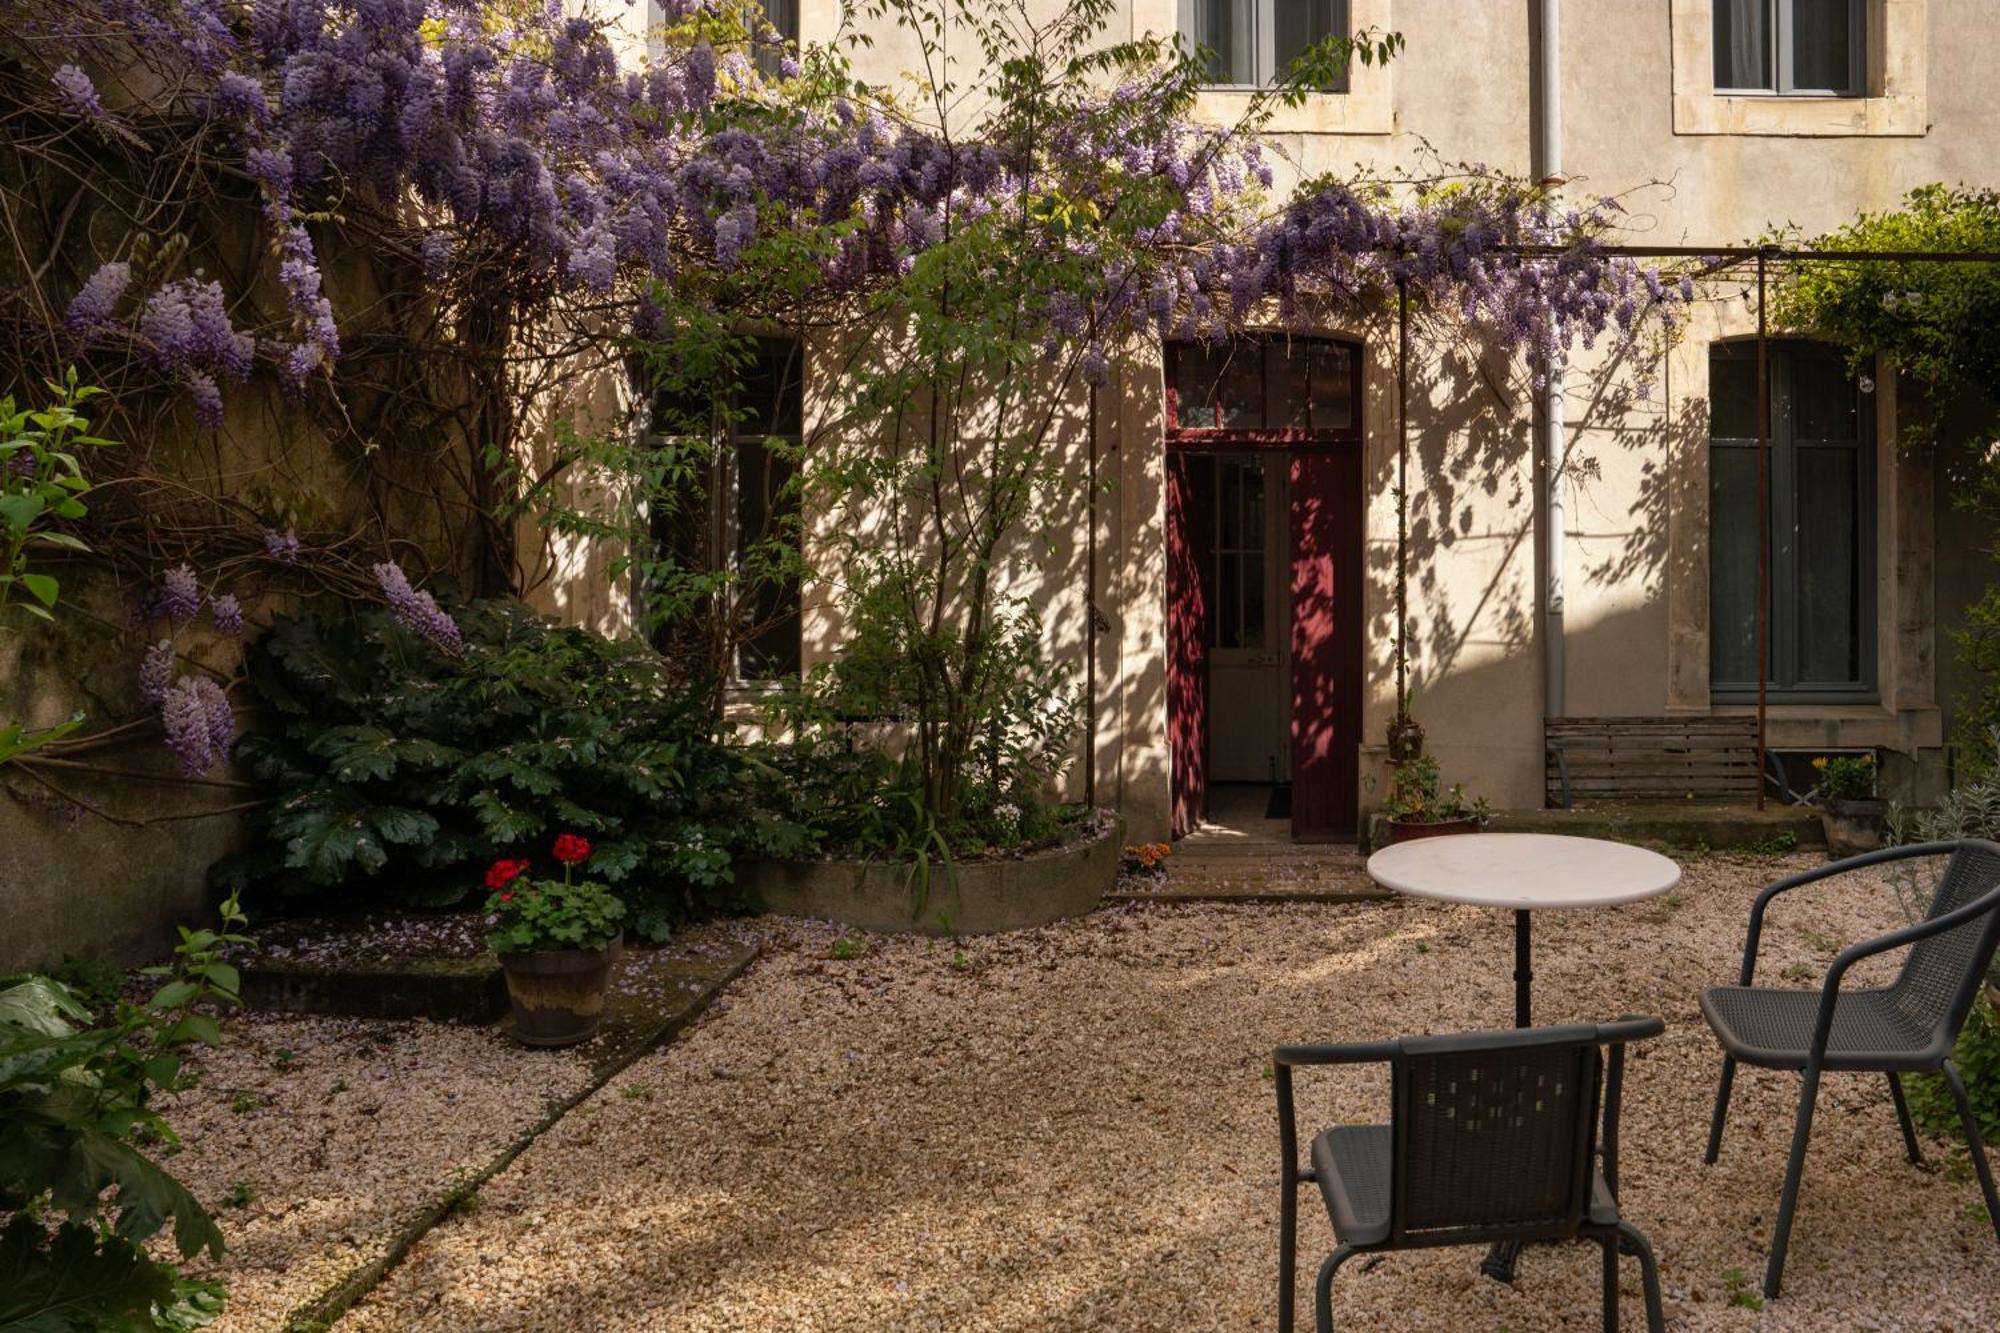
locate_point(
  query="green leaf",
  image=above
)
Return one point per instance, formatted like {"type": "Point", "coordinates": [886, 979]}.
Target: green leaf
{"type": "Point", "coordinates": [358, 754]}
{"type": "Point", "coordinates": [42, 588]}
{"type": "Point", "coordinates": [42, 1006]}
{"type": "Point", "coordinates": [174, 994]}
{"type": "Point", "coordinates": [75, 1282]}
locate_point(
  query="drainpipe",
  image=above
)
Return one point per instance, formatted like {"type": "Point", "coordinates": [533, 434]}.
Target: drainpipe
{"type": "Point", "coordinates": [1549, 172]}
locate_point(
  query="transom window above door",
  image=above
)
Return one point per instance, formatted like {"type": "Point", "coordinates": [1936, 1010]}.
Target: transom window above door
{"type": "Point", "coordinates": [1791, 48]}
{"type": "Point", "coordinates": [1251, 43]}
{"type": "Point", "coordinates": [1273, 385]}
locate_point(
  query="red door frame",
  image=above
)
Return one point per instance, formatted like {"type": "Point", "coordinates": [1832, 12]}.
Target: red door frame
{"type": "Point", "coordinates": [1326, 552]}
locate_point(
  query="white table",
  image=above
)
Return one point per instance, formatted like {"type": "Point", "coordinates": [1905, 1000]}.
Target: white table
{"type": "Point", "coordinates": [1525, 872]}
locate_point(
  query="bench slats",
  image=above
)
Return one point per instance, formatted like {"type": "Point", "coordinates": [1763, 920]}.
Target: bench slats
{"type": "Point", "coordinates": [1605, 759]}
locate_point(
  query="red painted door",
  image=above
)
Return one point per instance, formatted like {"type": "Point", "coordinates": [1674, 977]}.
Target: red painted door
{"type": "Point", "coordinates": [1326, 644]}
{"type": "Point", "coordinates": [1187, 651]}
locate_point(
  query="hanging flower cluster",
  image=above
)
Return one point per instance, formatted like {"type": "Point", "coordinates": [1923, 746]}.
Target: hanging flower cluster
{"type": "Point", "coordinates": [416, 610]}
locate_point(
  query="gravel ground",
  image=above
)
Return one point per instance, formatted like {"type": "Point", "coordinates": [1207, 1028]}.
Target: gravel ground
{"type": "Point", "coordinates": [1072, 1128]}
{"type": "Point", "coordinates": [311, 1139]}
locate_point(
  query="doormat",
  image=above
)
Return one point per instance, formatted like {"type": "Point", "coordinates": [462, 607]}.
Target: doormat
{"type": "Point", "coordinates": [1280, 806]}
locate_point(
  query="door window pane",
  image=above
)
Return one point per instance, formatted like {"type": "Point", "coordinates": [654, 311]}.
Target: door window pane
{"type": "Point", "coordinates": [1829, 576]}
{"type": "Point", "coordinates": [1732, 565]}
{"type": "Point", "coordinates": [1743, 44]}
{"type": "Point", "coordinates": [1821, 627]}
{"type": "Point", "coordinates": [1332, 386]}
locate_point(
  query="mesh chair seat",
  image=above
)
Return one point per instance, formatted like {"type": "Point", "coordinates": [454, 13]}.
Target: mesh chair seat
{"type": "Point", "coordinates": [1354, 1165]}
{"type": "Point", "coordinates": [1773, 1028]}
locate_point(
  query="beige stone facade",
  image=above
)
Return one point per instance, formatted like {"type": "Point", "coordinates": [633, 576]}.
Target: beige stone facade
{"type": "Point", "coordinates": [1640, 120]}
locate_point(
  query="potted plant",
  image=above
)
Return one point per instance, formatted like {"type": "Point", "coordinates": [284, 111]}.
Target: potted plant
{"type": "Point", "coordinates": [1420, 806]}
{"type": "Point", "coordinates": [1849, 810]}
{"type": "Point", "coordinates": [557, 941]}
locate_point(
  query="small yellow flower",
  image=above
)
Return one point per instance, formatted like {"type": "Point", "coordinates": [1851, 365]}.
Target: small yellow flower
{"type": "Point", "coordinates": [1820, 763]}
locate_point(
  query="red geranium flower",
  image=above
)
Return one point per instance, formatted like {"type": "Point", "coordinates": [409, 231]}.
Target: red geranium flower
{"type": "Point", "coordinates": [502, 872]}
{"type": "Point", "coordinates": [507, 896]}
{"type": "Point", "coordinates": [571, 850]}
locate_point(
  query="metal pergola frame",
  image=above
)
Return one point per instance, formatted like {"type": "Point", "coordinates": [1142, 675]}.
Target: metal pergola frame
{"type": "Point", "coordinates": [1722, 257]}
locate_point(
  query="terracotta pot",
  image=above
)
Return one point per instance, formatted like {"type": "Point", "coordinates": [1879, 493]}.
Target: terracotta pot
{"type": "Point", "coordinates": [558, 994]}
{"type": "Point", "coordinates": [1851, 827]}
{"type": "Point", "coordinates": [1409, 830]}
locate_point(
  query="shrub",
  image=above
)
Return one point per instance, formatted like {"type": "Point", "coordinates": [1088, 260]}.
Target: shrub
{"type": "Point", "coordinates": [1844, 777]}
{"type": "Point", "coordinates": [80, 1201]}
{"type": "Point", "coordinates": [401, 769]}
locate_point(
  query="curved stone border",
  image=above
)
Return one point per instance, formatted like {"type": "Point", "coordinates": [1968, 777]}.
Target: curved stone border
{"type": "Point", "coordinates": [964, 898]}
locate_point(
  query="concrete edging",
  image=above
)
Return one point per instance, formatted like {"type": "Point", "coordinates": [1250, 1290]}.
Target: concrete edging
{"type": "Point", "coordinates": [962, 898]}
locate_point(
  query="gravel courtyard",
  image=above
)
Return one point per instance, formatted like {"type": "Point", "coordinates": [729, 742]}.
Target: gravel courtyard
{"type": "Point", "coordinates": [1072, 1128]}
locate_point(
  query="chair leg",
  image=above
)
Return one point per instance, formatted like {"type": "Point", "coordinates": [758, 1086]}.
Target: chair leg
{"type": "Point", "coordinates": [1974, 1145]}
{"type": "Point", "coordinates": [1795, 1168]}
{"type": "Point", "coordinates": [1323, 1290]}
{"type": "Point", "coordinates": [1721, 1110]}
{"type": "Point", "coordinates": [1649, 1275]}
{"type": "Point", "coordinates": [1903, 1118]}
{"type": "Point", "coordinates": [1288, 1253]}
{"type": "Point", "coordinates": [1610, 1244]}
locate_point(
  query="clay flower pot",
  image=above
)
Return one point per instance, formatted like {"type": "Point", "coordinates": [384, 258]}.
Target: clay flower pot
{"type": "Point", "coordinates": [1851, 827]}
{"type": "Point", "coordinates": [558, 994]}
{"type": "Point", "coordinates": [1409, 830]}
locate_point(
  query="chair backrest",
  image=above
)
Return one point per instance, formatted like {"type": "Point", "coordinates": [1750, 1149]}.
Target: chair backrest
{"type": "Point", "coordinates": [1494, 1132]}
{"type": "Point", "coordinates": [1941, 976]}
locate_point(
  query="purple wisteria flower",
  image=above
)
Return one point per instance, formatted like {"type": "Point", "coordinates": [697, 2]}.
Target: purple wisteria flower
{"type": "Point", "coordinates": [227, 613]}
{"type": "Point", "coordinates": [156, 672]}
{"type": "Point", "coordinates": [179, 598]}
{"type": "Point", "coordinates": [416, 610]}
{"type": "Point", "coordinates": [188, 330]}
{"type": "Point", "coordinates": [96, 303]}
{"type": "Point", "coordinates": [282, 547]}
{"type": "Point", "coordinates": [199, 724]}
{"type": "Point", "coordinates": [78, 91]}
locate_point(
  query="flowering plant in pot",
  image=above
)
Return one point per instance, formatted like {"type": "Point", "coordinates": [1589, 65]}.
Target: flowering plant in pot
{"type": "Point", "coordinates": [1849, 810]}
{"type": "Point", "coordinates": [557, 941]}
{"type": "Point", "coordinates": [1419, 805]}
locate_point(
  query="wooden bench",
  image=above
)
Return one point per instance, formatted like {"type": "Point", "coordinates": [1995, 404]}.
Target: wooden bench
{"type": "Point", "coordinates": [1593, 760]}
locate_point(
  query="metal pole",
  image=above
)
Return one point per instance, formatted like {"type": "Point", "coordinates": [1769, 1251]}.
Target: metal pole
{"type": "Point", "coordinates": [1402, 490]}
{"type": "Point", "coordinates": [1763, 522]}
{"type": "Point", "coordinates": [1090, 621]}
{"type": "Point", "coordinates": [1554, 440]}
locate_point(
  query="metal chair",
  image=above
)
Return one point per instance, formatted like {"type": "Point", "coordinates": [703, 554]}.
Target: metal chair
{"type": "Point", "coordinates": [1907, 1026]}
{"type": "Point", "coordinates": [1493, 1137]}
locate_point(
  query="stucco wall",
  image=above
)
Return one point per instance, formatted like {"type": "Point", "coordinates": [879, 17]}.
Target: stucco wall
{"type": "Point", "coordinates": [1640, 123]}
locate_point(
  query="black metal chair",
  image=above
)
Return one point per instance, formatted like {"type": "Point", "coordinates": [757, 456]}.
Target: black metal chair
{"type": "Point", "coordinates": [1907, 1026]}
{"type": "Point", "coordinates": [1493, 1137]}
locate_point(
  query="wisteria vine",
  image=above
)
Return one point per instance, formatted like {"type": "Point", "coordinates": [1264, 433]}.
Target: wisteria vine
{"type": "Point", "coordinates": [528, 192]}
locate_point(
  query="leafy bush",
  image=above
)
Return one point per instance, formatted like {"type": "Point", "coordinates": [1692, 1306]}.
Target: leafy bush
{"type": "Point", "coordinates": [1844, 777]}
{"type": "Point", "coordinates": [402, 770]}
{"type": "Point", "coordinates": [1417, 794]}
{"type": "Point", "coordinates": [82, 1199]}
{"type": "Point", "coordinates": [1977, 1056]}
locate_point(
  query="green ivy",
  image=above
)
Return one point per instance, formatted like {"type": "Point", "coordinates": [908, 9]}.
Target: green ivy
{"type": "Point", "coordinates": [400, 773]}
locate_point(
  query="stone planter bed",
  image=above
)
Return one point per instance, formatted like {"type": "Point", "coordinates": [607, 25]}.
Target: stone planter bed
{"type": "Point", "coordinates": [970, 898]}
{"type": "Point", "coordinates": [386, 965]}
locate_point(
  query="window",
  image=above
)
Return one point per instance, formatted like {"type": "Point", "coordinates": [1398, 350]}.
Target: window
{"type": "Point", "coordinates": [1822, 578]}
{"type": "Point", "coordinates": [748, 511]}
{"type": "Point", "coordinates": [1252, 43]}
{"type": "Point", "coordinates": [1264, 386]}
{"type": "Point", "coordinates": [783, 15]}
{"type": "Point", "coordinates": [1793, 48]}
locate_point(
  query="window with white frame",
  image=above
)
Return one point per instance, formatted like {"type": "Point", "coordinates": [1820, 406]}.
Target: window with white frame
{"type": "Point", "coordinates": [1791, 48]}
{"type": "Point", "coordinates": [1821, 576]}
{"type": "Point", "coordinates": [1252, 43]}
{"type": "Point", "coordinates": [737, 509]}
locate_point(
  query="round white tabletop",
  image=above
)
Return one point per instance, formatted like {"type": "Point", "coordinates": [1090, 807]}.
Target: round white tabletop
{"type": "Point", "coordinates": [1523, 871]}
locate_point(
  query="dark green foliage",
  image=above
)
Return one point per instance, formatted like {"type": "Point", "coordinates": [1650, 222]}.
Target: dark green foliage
{"type": "Point", "coordinates": [402, 772]}
{"type": "Point", "coordinates": [79, 1198]}
{"type": "Point", "coordinates": [1978, 1059]}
